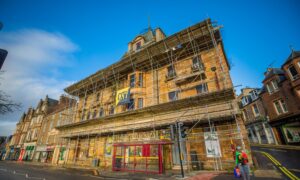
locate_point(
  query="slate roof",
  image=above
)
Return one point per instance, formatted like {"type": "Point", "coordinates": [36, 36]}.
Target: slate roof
{"type": "Point", "coordinates": [273, 71]}
{"type": "Point", "coordinates": [293, 55]}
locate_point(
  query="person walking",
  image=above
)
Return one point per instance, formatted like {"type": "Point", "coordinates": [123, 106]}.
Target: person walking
{"type": "Point", "coordinates": [241, 161]}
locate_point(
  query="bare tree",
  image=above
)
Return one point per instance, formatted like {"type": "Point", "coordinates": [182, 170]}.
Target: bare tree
{"type": "Point", "coordinates": [7, 105]}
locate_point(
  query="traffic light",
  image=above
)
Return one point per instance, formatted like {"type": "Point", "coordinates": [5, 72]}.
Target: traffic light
{"type": "Point", "coordinates": [182, 130]}
{"type": "Point", "coordinates": [3, 54]}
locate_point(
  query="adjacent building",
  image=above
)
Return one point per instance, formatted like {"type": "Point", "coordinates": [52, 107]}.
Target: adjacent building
{"type": "Point", "coordinates": [255, 117]}
{"type": "Point", "coordinates": [282, 99]}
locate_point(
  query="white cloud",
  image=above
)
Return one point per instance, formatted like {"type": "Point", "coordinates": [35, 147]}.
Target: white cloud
{"type": "Point", "coordinates": [32, 68]}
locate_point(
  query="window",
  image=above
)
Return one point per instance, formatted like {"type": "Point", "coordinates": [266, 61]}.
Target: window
{"type": "Point", "coordinates": [111, 110]}
{"type": "Point", "coordinates": [202, 88]}
{"type": "Point", "coordinates": [255, 110]}
{"type": "Point", "coordinates": [132, 80]}
{"type": "Point", "coordinates": [197, 65]}
{"type": "Point", "coordinates": [97, 96]}
{"type": "Point", "coordinates": [254, 95]}
{"type": "Point", "coordinates": [272, 86]}
{"type": "Point", "coordinates": [245, 115]}
{"type": "Point", "coordinates": [138, 45]}
{"type": "Point", "coordinates": [171, 71]}
{"type": "Point", "coordinates": [94, 114]}
{"type": "Point", "coordinates": [140, 103]}
{"type": "Point", "coordinates": [293, 72]}
{"type": "Point", "coordinates": [280, 107]}
{"type": "Point", "coordinates": [130, 105]}
{"type": "Point", "coordinates": [88, 116]}
{"type": "Point", "coordinates": [173, 96]}
{"type": "Point", "coordinates": [51, 125]}
{"type": "Point", "coordinates": [140, 79]}
{"type": "Point", "coordinates": [245, 100]}
{"type": "Point", "coordinates": [101, 112]}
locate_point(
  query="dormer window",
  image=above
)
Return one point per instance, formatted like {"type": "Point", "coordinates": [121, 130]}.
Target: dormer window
{"type": "Point", "coordinates": [293, 72]}
{"type": "Point", "coordinates": [245, 100]}
{"type": "Point", "coordinates": [254, 95]}
{"type": "Point", "coordinates": [138, 45]}
{"type": "Point", "coordinates": [272, 86]}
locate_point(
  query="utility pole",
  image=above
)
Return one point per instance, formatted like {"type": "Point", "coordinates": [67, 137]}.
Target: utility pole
{"type": "Point", "coordinates": [179, 147]}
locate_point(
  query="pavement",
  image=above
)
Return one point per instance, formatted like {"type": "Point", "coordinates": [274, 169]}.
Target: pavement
{"type": "Point", "coordinates": [270, 163]}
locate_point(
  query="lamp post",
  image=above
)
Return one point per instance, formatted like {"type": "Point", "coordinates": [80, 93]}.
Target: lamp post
{"type": "Point", "coordinates": [3, 52]}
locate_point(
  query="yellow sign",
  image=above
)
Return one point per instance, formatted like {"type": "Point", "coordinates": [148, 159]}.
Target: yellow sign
{"type": "Point", "coordinates": [123, 96]}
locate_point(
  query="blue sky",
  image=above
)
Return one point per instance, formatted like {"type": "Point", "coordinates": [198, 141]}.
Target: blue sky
{"type": "Point", "coordinates": [53, 43]}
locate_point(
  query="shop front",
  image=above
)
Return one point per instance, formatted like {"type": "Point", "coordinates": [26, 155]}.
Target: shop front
{"type": "Point", "coordinates": [50, 151]}
{"type": "Point", "coordinates": [138, 158]}
{"type": "Point", "coordinates": [40, 153]}
{"type": "Point", "coordinates": [29, 151]}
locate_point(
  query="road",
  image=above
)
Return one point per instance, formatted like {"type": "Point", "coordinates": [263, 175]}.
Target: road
{"type": "Point", "coordinates": [290, 159]}
{"type": "Point", "coordinates": [20, 171]}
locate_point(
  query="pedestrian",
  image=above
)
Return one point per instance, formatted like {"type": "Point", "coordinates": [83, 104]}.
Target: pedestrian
{"type": "Point", "coordinates": [241, 161]}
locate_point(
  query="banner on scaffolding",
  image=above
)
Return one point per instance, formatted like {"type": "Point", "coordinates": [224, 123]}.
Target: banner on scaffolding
{"type": "Point", "coordinates": [212, 144]}
{"type": "Point", "coordinates": [123, 96]}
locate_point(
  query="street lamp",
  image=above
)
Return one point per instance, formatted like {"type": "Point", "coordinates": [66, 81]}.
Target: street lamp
{"type": "Point", "coordinates": [3, 52]}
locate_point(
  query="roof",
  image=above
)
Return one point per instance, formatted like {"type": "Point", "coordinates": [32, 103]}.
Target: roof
{"type": "Point", "coordinates": [293, 55]}
{"type": "Point", "coordinates": [273, 71]}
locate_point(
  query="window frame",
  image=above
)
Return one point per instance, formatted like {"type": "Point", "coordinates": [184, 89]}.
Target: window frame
{"type": "Point", "coordinates": [141, 80]}
{"type": "Point", "coordinates": [140, 103]}
{"type": "Point", "coordinates": [132, 83]}
{"type": "Point", "coordinates": [290, 73]}
{"type": "Point", "coordinates": [175, 95]}
{"type": "Point", "coordinates": [256, 114]}
{"type": "Point", "coordinates": [282, 105]}
{"type": "Point", "coordinates": [204, 88]}
{"type": "Point", "coordinates": [171, 72]}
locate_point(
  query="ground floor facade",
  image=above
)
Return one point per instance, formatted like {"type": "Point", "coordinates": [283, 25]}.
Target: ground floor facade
{"type": "Point", "coordinates": [157, 150]}
{"type": "Point", "coordinates": [261, 132]}
{"type": "Point", "coordinates": [288, 133]}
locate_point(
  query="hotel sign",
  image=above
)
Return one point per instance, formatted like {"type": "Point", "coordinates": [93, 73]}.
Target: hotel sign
{"type": "Point", "coordinates": [123, 96]}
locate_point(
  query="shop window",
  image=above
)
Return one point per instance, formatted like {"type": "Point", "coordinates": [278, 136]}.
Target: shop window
{"type": "Point", "coordinates": [132, 80]}
{"type": "Point", "coordinates": [280, 107]}
{"type": "Point", "coordinates": [293, 72]}
{"type": "Point", "coordinates": [140, 103]}
{"type": "Point", "coordinates": [173, 96]}
{"type": "Point", "coordinates": [202, 88]}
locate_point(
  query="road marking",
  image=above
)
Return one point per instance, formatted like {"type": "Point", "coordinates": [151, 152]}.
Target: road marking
{"type": "Point", "coordinates": [282, 168]}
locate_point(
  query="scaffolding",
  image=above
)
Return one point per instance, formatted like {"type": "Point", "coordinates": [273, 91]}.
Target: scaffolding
{"type": "Point", "coordinates": [203, 114]}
